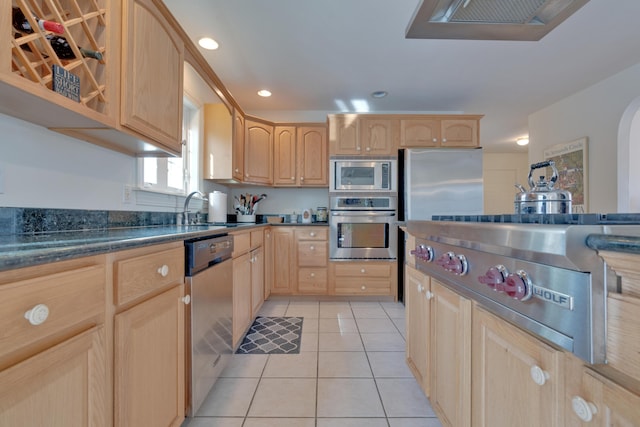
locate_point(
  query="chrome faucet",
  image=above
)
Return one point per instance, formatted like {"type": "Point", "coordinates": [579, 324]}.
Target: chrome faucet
{"type": "Point", "coordinates": [185, 211]}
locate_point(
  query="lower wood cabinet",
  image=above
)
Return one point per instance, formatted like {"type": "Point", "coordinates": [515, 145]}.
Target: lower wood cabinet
{"type": "Point", "coordinates": [312, 258]}
{"type": "Point", "coordinates": [417, 316]}
{"type": "Point", "coordinates": [450, 356]}
{"type": "Point", "coordinates": [363, 278]}
{"type": "Point", "coordinates": [149, 336]}
{"type": "Point", "coordinates": [63, 386]}
{"type": "Point", "coordinates": [517, 379]}
{"type": "Point", "coordinates": [284, 267]}
{"type": "Point", "coordinates": [149, 362]}
{"type": "Point", "coordinates": [241, 296]}
{"type": "Point", "coordinates": [54, 364]}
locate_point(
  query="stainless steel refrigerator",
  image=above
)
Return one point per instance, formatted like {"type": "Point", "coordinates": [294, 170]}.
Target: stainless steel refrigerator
{"type": "Point", "coordinates": [440, 182]}
{"type": "Point", "coordinates": [436, 181]}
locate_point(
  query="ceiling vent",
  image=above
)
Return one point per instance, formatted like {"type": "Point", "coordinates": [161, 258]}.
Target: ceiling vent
{"type": "Point", "coordinates": [489, 19]}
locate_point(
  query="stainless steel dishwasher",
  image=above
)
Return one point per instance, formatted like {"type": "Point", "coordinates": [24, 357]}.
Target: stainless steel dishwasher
{"type": "Point", "coordinates": [209, 279]}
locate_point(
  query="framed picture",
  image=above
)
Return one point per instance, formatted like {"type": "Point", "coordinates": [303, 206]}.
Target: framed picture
{"type": "Point", "coordinates": [572, 164]}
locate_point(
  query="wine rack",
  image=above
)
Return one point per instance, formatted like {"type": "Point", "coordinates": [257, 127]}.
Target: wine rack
{"type": "Point", "coordinates": [84, 25]}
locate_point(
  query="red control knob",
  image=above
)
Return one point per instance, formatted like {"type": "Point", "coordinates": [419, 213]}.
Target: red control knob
{"type": "Point", "coordinates": [423, 252]}
{"type": "Point", "coordinates": [456, 264]}
{"type": "Point", "coordinates": [494, 277]}
{"type": "Point", "coordinates": [518, 286]}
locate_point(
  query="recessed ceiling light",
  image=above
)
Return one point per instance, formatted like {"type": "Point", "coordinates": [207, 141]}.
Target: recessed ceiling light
{"type": "Point", "coordinates": [522, 141]}
{"type": "Point", "coordinates": [379, 94]}
{"type": "Point", "coordinates": [264, 93]}
{"type": "Point", "coordinates": [208, 43]}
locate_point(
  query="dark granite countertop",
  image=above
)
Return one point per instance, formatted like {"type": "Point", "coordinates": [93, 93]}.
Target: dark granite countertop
{"type": "Point", "coordinates": [23, 250]}
{"type": "Point", "coordinates": [615, 243]}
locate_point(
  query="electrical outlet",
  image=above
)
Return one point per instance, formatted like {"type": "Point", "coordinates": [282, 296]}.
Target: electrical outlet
{"type": "Point", "coordinates": [127, 194]}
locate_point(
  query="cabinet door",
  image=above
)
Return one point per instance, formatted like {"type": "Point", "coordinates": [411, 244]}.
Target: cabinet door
{"type": "Point", "coordinates": [149, 362]}
{"type": "Point", "coordinates": [460, 133]}
{"type": "Point", "coordinates": [152, 75]}
{"type": "Point", "coordinates": [344, 134]}
{"type": "Point", "coordinates": [517, 379]}
{"type": "Point", "coordinates": [61, 387]}
{"type": "Point", "coordinates": [258, 153]}
{"type": "Point", "coordinates": [378, 136]}
{"type": "Point", "coordinates": [420, 132]}
{"type": "Point", "coordinates": [257, 280]}
{"type": "Point", "coordinates": [284, 266]}
{"type": "Point", "coordinates": [241, 296]}
{"type": "Point", "coordinates": [284, 156]}
{"type": "Point", "coordinates": [268, 262]}
{"type": "Point", "coordinates": [417, 313]}
{"type": "Point", "coordinates": [451, 356]}
{"type": "Point", "coordinates": [237, 154]}
{"type": "Point", "coordinates": [312, 156]}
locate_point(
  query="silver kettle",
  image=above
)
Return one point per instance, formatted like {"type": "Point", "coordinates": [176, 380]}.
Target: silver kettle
{"type": "Point", "coordinates": [542, 198]}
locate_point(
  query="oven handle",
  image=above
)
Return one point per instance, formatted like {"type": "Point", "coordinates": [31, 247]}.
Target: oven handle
{"type": "Point", "coordinates": [361, 213]}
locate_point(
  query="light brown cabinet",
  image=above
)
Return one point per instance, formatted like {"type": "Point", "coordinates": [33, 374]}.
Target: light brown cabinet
{"type": "Point", "coordinates": [54, 366]}
{"type": "Point", "coordinates": [356, 134]}
{"type": "Point", "coordinates": [312, 259]}
{"type": "Point", "coordinates": [149, 336]}
{"type": "Point", "coordinates": [268, 262]}
{"type": "Point", "coordinates": [258, 152]}
{"type": "Point", "coordinates": [218, 143]}
{"type": "Point", "coordinates": [300, 156]}
{"type": "Point", "coordinates": [417, 316]}
{"type": "Point", "coordinates": [511, 364]}
{"type": "Point", "coordinates": [450, 356]}
{"type": "Point", "coordinates": [152, 74]}
{"type": "Point", "coordinates": [363, 278]}
{"type": "Point", "coordinates": [248, 279]}
{"type": "Point", "coordinates": [237, 155]}
{"type": "Point", "coordinates": [284, 266]}
{"type": "Point", "coordinates": [440, 131]}
{"type": "Point", "coordinates": [149, 361]}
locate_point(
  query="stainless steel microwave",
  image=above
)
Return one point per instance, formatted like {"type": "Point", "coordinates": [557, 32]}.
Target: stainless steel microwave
{"type": "Point", "coordinates": [363, 175]}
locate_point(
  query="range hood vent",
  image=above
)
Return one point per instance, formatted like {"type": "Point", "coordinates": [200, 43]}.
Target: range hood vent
{"type": "Point", "coordinates": [489, 19]}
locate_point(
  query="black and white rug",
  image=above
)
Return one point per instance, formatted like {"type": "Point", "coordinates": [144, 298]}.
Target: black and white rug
{"type": "Point", "coordinates": [272, 335]}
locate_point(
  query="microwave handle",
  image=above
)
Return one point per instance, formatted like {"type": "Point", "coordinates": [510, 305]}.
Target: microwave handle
{"type": "Point", "coordinates": [361, 213]}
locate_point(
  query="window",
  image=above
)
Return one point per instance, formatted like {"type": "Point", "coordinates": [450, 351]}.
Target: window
{"type": "Point", "coordinates": [179, 175]}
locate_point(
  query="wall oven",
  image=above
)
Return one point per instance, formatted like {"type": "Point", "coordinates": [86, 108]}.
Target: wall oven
{"type": "Point", "coordinates": [363, 174]}
{"type": "Point", "coordinates": [363, 227]}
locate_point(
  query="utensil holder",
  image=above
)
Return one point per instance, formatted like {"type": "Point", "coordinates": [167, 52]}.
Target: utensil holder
{"type": "Point", "coordinates": [246, 218]}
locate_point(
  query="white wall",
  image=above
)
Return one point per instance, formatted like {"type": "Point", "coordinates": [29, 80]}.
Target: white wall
{"type": "Point", "coordinates": [500, 173]}
{"type": "Point", "coordinates": [594, 113]}
{"type": "Point", "coordinates": [42, 168]}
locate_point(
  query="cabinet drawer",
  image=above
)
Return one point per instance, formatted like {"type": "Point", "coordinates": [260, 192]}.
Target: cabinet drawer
{"type": "Point", "coordinates": [354, 286]}
{"type": "Point", "coordinates": [311, 233]}
{"type": "Point", "coordinates": [312, 280]}
{"type": "Point", "coordinates": [362, 269]}
{"type": "Point", "coordinates": [74, 299]}
{"type": "Point", "coordinates": [241, 243]}
{"type": "Point", "coordinates": [312, 254]}
{"type": "Point", "coordinates": [139, 275]}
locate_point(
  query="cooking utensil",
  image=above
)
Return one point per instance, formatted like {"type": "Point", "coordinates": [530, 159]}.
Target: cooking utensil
{"type": "Point", "coordinates": [542, 198]}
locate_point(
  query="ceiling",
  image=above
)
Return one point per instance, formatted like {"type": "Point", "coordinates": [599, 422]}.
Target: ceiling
{"type": "Point", "coordinates": [328, 56]}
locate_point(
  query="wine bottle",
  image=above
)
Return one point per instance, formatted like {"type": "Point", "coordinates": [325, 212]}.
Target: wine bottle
{"type": "Point", "coordinates": [21, 23]}
{"type": "Point", "coordinates": [62, 48]}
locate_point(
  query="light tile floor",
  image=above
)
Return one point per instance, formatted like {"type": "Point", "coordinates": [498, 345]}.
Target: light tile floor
{"type": "Point", "coordinates": [350, 372]}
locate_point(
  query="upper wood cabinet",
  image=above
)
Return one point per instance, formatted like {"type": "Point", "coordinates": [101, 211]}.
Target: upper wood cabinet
{"type": "Point", "coordinates": [440, 131]}
{"type": "Point", "coordinates": [237, 154]}
{"type": "Point", "coordinates": [152, 71]}
{"type": "Point", "coordinates": [218, 142]}
{"type": "Point", "coordinates": [284, 156]}
{"type": "Point", "coordinates": [368, 135]}
{"type": "Point", "coordinates": [258, 152]}
{"type": "Point", "coordinates": [300, 156]}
